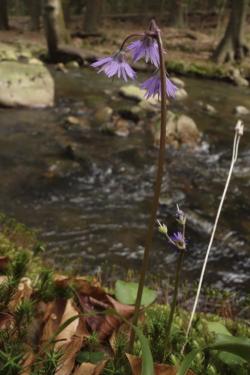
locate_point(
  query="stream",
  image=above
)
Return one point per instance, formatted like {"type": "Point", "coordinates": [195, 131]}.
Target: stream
{"type": "Point", "coordinates": [93, 217]}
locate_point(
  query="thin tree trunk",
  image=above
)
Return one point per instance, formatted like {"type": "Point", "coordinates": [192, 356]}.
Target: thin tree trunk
{"type": "Point", "coordinates": [232, 46]}
{"type": "Point", "coordinates": [178, 14]}
{"type": "Point", "coordinates": [55, 30]}
{"type": "Point", "coordinates": [92, 16]}
{"type": "Point", "coordinates": [66, 4]}
{"type": "Point", "coordinates": [35, 13]}
{"type": "Point", "coordinates": [4, 20]}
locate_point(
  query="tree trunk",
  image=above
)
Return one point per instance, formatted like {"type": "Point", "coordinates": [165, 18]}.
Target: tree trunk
{"type": "Point", "coordinates": [35, 13]}
{"type": "Point", "coordinates": [66, 5]}
{"type": "Point", "coordinates": [4, 20]}
{"type": "Point", "coordinates": [178, 14]}
{"type": "Point", "coordinates": [92, 16]}
{"type": "Point", "coordinates": [54, 25]}
{"type": "Point", "coordinates": [232, 46]}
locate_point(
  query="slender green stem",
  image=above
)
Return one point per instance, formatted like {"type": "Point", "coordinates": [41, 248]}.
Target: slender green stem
{"type": "Point", "coordinates": [157, 188]}
{"type": "Point", "coordinates": [174, 302]}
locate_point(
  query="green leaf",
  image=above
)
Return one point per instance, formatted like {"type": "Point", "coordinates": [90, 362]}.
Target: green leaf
{"type": "Point", "coordinates": [230, 359]}
{"type": "Point", "coordinates": [92, 357]}
{"type": "Point", "coordinates": [218, 328]}
{"type": "Point", "coordinates": [238, 346]}
{"type": "Point", "coordinates": [126, 292]}
{"type": "Point", "coordinates": [225, 357]}
{"type": "Point", "coordinates": [186, 363]}
{"type": "Point", "coordinates": [147, 359]}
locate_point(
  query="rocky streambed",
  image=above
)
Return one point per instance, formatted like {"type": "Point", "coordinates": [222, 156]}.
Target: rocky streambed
{"type": "Point", "coordinates": [82, 173]}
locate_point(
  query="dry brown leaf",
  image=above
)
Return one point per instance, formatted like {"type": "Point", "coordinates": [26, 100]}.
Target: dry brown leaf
{"type": "Point", "coordinates": [24, 291]}
{"type": "Point", "coordinates": [70, 350]}
{"type": "Point", "coordinates": [27, 362]}
{"type": "Point", "coordinates": [69, 331]}
{"type": "Point", "coordinates": [159, 369]}
{"type": "Point", "coordinates": [90, 368]}
{"type": "Point", "coordinates": [6, 321]}
{"type": "Point", "coordinates": [3, 278]}
{"type": "Point", "coordinates": [61, 281]}
{"type": "Point", "coordinates": [52, 318]}
{"type": "Point", "coordinates": [86, 288]}
{"type": "Point", "coordinates": [124, 310]}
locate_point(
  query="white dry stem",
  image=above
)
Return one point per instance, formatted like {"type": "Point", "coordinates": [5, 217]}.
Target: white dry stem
{"type": "Point", "coordinates": [238, 133]}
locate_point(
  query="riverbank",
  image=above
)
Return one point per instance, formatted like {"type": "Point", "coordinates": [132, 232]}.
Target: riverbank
{"type": "Point", "coordinates": [188, 50]}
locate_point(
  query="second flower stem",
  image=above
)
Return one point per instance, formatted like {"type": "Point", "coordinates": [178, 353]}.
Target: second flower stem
{"type": "Point", "coordinates": [174, 303]}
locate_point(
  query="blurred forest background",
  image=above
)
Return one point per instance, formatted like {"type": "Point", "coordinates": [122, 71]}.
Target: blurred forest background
{"type": "Point", "coordinates": [220, 22]}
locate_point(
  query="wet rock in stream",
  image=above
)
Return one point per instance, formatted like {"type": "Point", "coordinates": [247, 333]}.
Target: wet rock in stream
{"type": "Point", "coordinates": [180, 130]}
{"type": "Point", "coordinates": [62, 169]}
{"type": "Point", "coordinates": [240, 110]}
{"type": "Point", "coordinates": [103, 115]}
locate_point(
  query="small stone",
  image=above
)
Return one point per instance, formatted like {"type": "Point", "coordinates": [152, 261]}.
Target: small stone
{"type": "Point", "coordinates": [122, 128]}
{"type": "Point", "coordinates": [61, 68]}
{"type": "Point", "coordinates": [72, 120]}
{"type": "Point", "coordinates": [136, 93]}
{"type": "Point", "coordinates": [35, 61]}
{"type": "Point", "coordinates": [178, 82]}
{"type": "Point", "coordinates": [72, 64]}
{"type": "Point", "coordinates": [62, 168]}
{"type": "Point", "coordinates": [132, 92]}
{"type": "Point", "coordinates": [181, 94]}
{"type": "Point", "coordinates": [241, 110]}
{"type": "Point", "coordinates": [103, 114]}
{"type": "Point", "coordinates": [207, 107]}
{"type": "Point", "coordinates": [77, 123]}
{"type": "Point", "coordinates": [187, 131]}
{"type": "Point", "coordinates": [237, 78]}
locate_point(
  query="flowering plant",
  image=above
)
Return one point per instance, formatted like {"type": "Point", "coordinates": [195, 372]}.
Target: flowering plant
{"type": "Point", "coordinates": [148, 45]}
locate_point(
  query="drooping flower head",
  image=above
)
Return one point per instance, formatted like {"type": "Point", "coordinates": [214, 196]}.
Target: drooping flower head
{"type": "Point", "coordinates": [115, 65]}
{"type": "Point", "coordinates": [178, 240]}
{"type": "Point", "coordinates": [147, 48]}
{"type": "Point", "coordinates": [153, 87]}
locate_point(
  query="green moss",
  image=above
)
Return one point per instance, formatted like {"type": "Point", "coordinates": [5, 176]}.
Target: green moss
{"type": "Point", "coordinates": [208, 70]}
{"type": "Point", "coordinates": [21, 245]}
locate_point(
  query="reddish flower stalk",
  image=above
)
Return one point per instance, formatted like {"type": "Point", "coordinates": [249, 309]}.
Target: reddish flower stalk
{"type": "Point", "coordinates": [158, 182]}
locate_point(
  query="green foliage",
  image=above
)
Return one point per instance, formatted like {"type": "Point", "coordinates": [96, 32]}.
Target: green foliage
{"type": "Point", "coordinates": [237, 346]}
{"type": "Point", "coordinates": [47, 289]}
{"type": "Point", "coordinates": [7, 290]}
{"type": "Point", "coordinates": [92, 357]}
{"type": "Point", "coordinates": [126, 293]}
{"type": "Point", "coordinates": [19, 266]}
{"type": "Point", "coordinates": [23, 316]}
{"type": "Point", "coordinates": [11, 355]}
{"type": "Point", "coordinates": [48, 363]}
{"type": "Point", "coordinates": [208, 70]}
{"type": "Point", "coordinates": [92, 342]}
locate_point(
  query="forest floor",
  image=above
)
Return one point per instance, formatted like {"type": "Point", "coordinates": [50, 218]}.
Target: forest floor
{"type": "Point", "coordinates": [189, 49]}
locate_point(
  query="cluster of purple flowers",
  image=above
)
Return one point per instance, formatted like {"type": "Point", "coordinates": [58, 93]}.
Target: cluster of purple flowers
{"type": "Point", "coordinates": [146, 47]}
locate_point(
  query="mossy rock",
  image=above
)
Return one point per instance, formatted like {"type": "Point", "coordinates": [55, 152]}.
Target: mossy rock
{"type": "Point", "coordinates": [27, 85]}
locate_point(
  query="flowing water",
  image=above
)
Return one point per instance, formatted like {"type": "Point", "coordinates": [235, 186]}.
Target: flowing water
{"type": "Point", "coordinates": [96, 217]}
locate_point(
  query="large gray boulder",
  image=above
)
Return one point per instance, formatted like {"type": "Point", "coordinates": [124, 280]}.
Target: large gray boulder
{"type": "Point", "coordinates": [27, 85]}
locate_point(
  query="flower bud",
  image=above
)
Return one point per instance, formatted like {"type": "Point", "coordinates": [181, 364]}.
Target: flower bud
{"type": "Point", "coordinates": [180, 216]}
{"type": "Point", "coordinates": [162, 228]}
